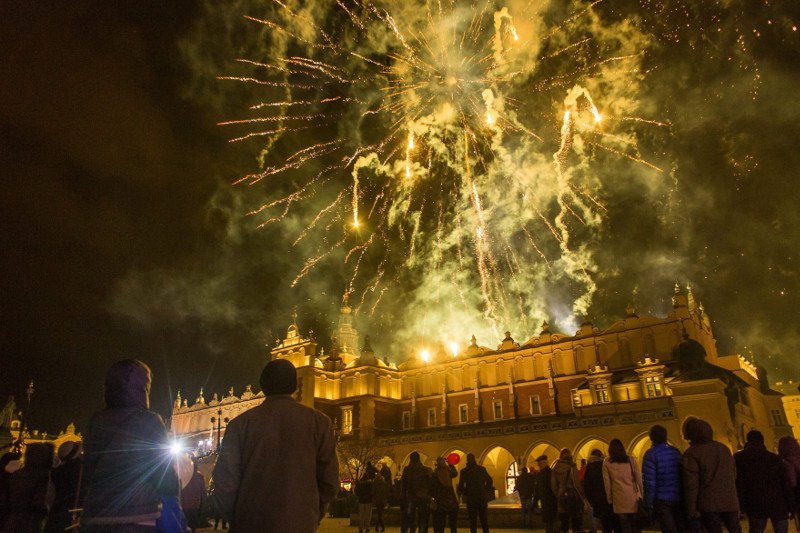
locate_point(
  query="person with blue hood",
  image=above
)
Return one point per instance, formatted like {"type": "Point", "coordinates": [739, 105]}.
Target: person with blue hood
{"type": "Point", "coordinates": [128, 466]}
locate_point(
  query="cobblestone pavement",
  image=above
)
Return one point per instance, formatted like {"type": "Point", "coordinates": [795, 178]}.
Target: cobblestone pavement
{"type": "Point", "coordinates": [337, 525]}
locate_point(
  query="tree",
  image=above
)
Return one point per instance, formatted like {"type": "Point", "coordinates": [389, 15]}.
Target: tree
{"type": "Point", "coordinates": [355, 453]}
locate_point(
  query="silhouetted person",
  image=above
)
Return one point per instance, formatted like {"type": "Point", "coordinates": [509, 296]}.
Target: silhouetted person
{"type": "Point", "coordinates": [364, 495]}
{"type": "Point", "coordinates": [709, 481]}
{"type": "Point", "coordinates": [544, 494]}
{"type": "Point", "coordinates": [415, 495]}
{"type": "Point", "coordinates": [474, 485]}
{"type": "Point", "coordinates": [127, 459]}
{"type": "Point", "coordinates": [762, 482]}
{"type": "Point", "coordinates": [277, 468]}
{"type": "Point", "coordinates": [789, 451]}
{"type": "Point", "coordinates": [7, 459]}
{"type": "Point", "coordinates": [595, 491]}
{"type": "Point", "coordinates": [29, 491]}
{"type": "Point", "coordinates": [66, 480]}
{"type": "Point", "coordinates": [380, 499]}
{"type": "Point", "coordinates": [566, 484]}
{"type": "Point", "coordinates": [193, 498]}
{"type": "Point", "coordinates": [525, 487]}
{"type": "Point", "coordinates": [444, 497]}
{"type": "Point", "coordinates": [661, 475]}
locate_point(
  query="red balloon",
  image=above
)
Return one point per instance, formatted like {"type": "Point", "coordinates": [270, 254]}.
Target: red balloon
{"type": "Point", "coordinates": [453, 459]}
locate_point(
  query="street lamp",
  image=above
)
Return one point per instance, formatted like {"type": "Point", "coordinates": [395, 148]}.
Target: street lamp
{"type": "Point", "coordinates": [218, 420]}
{"type": "Point", "coordinates": [24, 422]}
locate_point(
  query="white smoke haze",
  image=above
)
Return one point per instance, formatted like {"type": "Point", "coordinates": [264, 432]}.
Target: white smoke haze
{"type": "Point", "coordinates": [566, 191]}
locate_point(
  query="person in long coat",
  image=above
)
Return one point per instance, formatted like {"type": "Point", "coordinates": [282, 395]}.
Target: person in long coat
{"type": "Point", "coordinates": [474, 482]}
{"type": "Point", "coordinates": [415, 495]}
{"type": "Point", "coordinates": [193, 499]}
{"type": "Point", "coordinates": [30, 491]}
{"type": "Point", "coordinates": [709, 481]}
{"type": "Point", "coordinates": [543, 493]}
{"type": "Point", "coordinates": [763, 485]}
{"type": "Point", "coordinates": [364, 495]}
{"type": "Point", "coordinates": [623, 484]}
{"type": "Point", "coordinates": [128, 466]}
{"type": "Point", "coordinates": [444, 497]}
{"type": "Point", "coordinates": [595, 490]}
{"type": "Point", "coordinates": [566, 483]}
{"type": "Point", "coordinates": [277, 468]}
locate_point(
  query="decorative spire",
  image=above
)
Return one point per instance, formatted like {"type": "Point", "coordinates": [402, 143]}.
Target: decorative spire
{"type": "Point", "coordinates": [677, 287]}
{"type": "Point", "coordinates": [200, 399]}
{"type": "Point", "coordinates": [630, 311]}
{"type": "Point", "coordinates": [508, 337]}
{"type": "Point", "coordinates": [545, 327]}
{"type": "Point", "coordinates": [294, 317]}
{"type": "Point", "coordinates": [473, 341]}
{"type": "Point", "coordinates": [178, 399]}
{"type": "Point", "coordinates": [367, 345]}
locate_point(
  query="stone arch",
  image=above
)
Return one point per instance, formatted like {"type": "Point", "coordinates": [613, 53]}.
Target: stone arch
{"type": "Point", "coordinates": [638, 446]}
{"type": "Point", "coordinates": [540, 448]}
{"type": "Point", "coordinates": [422, 457]}
{"type": "Point", "coordinates": [498, 460]}
{"type": "Point", "coordinates": [462, 455]}
{"type": "Point", "coordinates": [584, 447]}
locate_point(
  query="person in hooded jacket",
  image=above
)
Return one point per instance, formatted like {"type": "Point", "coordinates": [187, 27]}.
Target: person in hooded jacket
{"type": "Point", "coordinates": [762, 482]}
{"type": "Point", "coordinates": [66, 480]}
{"type": "Point", "coordinates": [789, 451]}
{"type": "Point", "coordinates": [127, 459]}
{"type": "Point", "coordinates": [445, 502]}
{"type": "Point", "coordinates": [595, 491]}
{"type": "Point", "coordinates": [709, 481]}
{"type": "Point", "coordinates": [415, 495]}
{"type": "Point", "coordinates": [623, 485]}
{"type": "Point", "coordinates": [30, 491]}
{"type": "Point", "coordinates": [566, 483]}
{"type": "Point", "coordinates": [474, 483]}
{"type": "Point", "coordinates": [277, 469]}
{"type": "Point", "coordinates": [661, 474]}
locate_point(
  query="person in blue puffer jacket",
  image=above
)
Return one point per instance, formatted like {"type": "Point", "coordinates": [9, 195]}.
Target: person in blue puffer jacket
{"type": "Point", "coordinates": [661, 474]}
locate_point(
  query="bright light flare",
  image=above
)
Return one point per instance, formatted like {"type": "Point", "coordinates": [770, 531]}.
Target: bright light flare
{"type": "Point", "coordinates": [425, 355]}
{"type": "Point", "coordinates": [454, 349]}
{"type": "Point", "coordinates": [175, 448]}
{"type": "Point", "coordinates": [597, 116]}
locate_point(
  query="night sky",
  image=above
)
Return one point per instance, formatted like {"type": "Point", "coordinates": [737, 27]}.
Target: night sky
{"type": "Point", "coordinates": [123, 236]}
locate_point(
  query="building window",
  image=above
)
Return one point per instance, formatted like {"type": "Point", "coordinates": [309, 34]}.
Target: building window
{"type": "Point", "coordinates": [406, 419]}
{"type": "Point", "coordinates": [498, 409]}
{"type": "Point", "coordinates": [652, 387]}
{"type": "Point", "coordinates": [431, 417]}
{"type": "Point", "coordinates": [347, 420]}
{"type": "Point", "coordinates": [463, 413]}
{"type": "Point", "coordinates": [797, 413]}
{"type": "Point", "coordinates": [576, 398]}
{"type": "Point", "coordinates": [777, 419]}
{"type": "Point", "coordinates": [601, 393]}
{"type": "Point", "coordinates": [511, 478]}
{"type": "Point", "coordinates": [536, 405]}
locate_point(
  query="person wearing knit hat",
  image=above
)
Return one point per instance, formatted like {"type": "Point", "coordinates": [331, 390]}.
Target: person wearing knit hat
{"type": "Point", "coordinates": [277, 466]}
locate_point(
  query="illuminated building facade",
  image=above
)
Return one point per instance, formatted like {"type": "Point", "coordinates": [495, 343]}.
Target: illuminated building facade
{"type": "Point", "coordinates": [510, 403]}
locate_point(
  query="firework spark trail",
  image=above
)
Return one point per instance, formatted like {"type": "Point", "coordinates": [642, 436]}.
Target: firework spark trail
{"type": "Point", "coordinates": [438, 75]}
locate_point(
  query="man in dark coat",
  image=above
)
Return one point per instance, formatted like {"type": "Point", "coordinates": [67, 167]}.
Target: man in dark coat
{"type": "Point", "coordinates": [661, 476]}
{"type": "Point", "coordinates": [277, 469]}
{"type": "Point", "coordinates": [543, 493]}
{"type": "Point", "coordinates": [474, 484]}
{"type": "Point", "coordinates": [524, 486]}
{"type": "Point", "coordinates": [415, 495]}
{"type": "Point", "coordinates": [709, 481]}
{"type": "Point", "coordinates": [128, 463]}
{"type": "Point", "coordinates": [762, 482]}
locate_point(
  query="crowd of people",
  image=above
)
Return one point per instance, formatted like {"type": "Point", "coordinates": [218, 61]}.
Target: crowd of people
{"type": "Point", "coordinates": [277, 471]}
{"type": "Point", "coordinates": [704, 489]}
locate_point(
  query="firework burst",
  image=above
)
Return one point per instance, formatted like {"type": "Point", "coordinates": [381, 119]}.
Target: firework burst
{"type": "Point", "coordinates": [450, 151]}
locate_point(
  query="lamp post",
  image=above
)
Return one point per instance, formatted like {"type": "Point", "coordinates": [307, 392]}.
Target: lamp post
{"type": "Point", "coordinates": [24, 422]}
{"type": "Point", "coordinates": [218, 421]}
